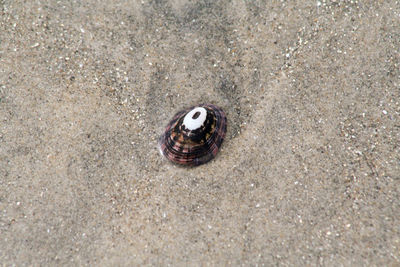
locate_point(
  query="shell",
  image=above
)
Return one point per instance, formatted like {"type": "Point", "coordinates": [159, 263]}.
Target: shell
{"type": "Point", "coordinates": [194, 135]}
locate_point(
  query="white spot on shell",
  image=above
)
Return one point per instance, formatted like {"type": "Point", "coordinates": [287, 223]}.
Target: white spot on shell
{"type": "Point", "coordinates": [195, 123]}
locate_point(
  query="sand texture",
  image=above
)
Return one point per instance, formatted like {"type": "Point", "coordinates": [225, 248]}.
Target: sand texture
{"type": "Point", "coordinates": [309, 172]}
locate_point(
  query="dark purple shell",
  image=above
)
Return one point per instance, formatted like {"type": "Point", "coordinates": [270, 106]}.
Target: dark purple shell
{"type": "Point", "coordinates": [193, 147]}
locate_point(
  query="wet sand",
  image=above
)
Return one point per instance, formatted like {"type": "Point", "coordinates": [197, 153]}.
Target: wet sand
{"type": "Point", "coordinates": [309, 173]}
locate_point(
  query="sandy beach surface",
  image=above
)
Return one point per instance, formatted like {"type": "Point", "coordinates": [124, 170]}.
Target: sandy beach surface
{"type": "Point", "coordinates": [309, 173]}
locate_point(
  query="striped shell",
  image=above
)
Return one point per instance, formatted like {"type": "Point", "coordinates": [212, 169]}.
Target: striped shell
{"type": "Point", "coordinates": [194, 135]}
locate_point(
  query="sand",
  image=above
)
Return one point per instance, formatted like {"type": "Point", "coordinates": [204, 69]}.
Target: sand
{"type": "Point", "coordinates": [309, 173]}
